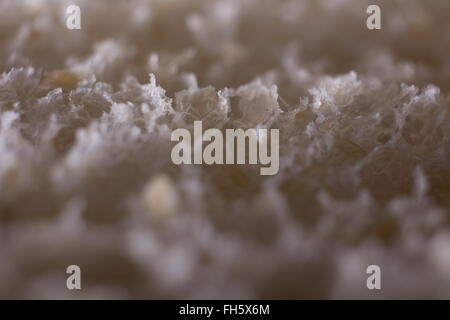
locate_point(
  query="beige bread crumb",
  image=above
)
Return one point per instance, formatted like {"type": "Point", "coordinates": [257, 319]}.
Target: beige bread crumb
{"type": "Point", "coordinates": [159, 196]}
{"type": "Point", "coordinates": [63, 79]}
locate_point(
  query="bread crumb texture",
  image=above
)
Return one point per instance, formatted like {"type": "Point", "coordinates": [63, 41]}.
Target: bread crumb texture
{"type": "Point", "coordinates": [85, 171]}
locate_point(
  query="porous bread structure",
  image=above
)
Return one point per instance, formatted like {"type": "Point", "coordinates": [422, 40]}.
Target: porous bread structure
{"type": "Point", "coordinates": [85, 171]}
